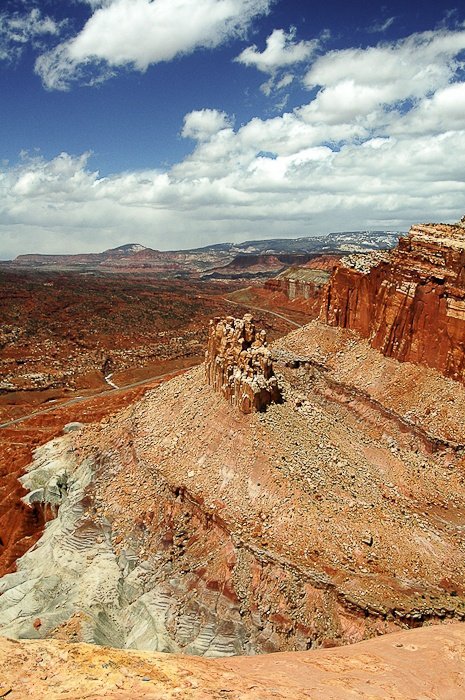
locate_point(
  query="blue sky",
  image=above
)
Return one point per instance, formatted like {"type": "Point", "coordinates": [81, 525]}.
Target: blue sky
{"type": "Point", "coordinates": [179, 123]}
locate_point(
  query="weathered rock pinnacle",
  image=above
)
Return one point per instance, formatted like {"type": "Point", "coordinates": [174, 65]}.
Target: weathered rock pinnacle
{"type": "Point", "coordinates": [238, 364]}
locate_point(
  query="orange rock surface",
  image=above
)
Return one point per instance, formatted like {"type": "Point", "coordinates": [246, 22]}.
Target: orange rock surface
{"type": "Point", "coordinates": [334, 516]}
{"type": "Point", "coordinates": [423, 663]}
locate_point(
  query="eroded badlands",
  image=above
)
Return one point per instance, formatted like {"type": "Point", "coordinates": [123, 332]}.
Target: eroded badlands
{"type": "Point", "coordinates": [185, 525]}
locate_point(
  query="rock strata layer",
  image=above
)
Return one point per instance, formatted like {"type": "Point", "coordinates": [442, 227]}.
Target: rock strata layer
{"type": "Point", "coordinates": [411, 303]}
{"type": "Point", "coordinates": [238, 364]}
{"type": "Point", "coordinates": [301, 283]}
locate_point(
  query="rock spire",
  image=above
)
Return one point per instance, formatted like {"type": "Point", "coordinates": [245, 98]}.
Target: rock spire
{"type": "Point", "coordinates": [238, 364]}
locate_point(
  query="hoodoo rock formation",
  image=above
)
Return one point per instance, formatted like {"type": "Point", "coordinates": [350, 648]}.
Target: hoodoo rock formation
{"type": "Point", "coordinates": [238, 364]}
{"type": "Point", "coordinates": [409, 303]}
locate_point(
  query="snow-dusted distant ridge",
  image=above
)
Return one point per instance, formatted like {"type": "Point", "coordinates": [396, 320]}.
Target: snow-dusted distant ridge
{"type": "Point", "coordinates": [185, 263]}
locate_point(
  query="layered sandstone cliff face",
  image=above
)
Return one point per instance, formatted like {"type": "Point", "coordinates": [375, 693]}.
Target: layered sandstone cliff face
{"type": "Point", "coordinates": [238, 364]}
{"type": "Point", "coordinates": [410, 304]}
{"type": "Point", "coordinates": [303, 284]}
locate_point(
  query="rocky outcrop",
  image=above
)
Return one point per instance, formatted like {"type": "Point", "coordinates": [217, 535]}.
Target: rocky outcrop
{"type": "Point", "coordinates": [186, 526]}
{"type": "Point", "coordinates": [410, 303]}
{"type": "Point", "coordinates": [238, 364]}
{"type": "Point", "coordinates": [299, 282]}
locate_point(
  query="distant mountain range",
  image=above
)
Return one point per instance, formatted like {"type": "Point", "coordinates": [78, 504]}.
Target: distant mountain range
{"type": "Point", "coordinates": [221, 260]}
{"type": "Point", "coordinates": [343, 241]}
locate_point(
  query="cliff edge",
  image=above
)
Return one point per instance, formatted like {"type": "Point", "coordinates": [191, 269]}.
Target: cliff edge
{"type": "Point", "coordinates": [410, 302]}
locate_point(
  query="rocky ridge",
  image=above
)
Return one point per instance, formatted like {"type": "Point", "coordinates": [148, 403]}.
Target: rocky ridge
{"type": "Point", "coordinates": [333, 516]}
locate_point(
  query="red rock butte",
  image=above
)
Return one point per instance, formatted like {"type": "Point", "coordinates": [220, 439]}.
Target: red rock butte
{"type": "Point", "coordinates": [409, 303]}
{"type": "Point", "coordinates": [238, 364]}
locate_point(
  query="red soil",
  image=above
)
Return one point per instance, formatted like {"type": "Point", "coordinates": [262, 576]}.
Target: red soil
{"type": "Point", "coordinates": [61, 334]}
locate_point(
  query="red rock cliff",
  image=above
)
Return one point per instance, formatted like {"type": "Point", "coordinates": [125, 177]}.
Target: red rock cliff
{"type": "Point", "coordinates": [410, 302]}
{"type": "Point", "coordinates": [299, 283]}
{"type": "Point", "coordinates": [238, 364]}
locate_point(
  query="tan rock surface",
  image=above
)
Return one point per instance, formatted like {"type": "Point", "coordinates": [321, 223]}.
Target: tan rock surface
{"type": "Point", "coordinates": [238, 364]}
{"type": "Point", "coordinates": [425, 664]}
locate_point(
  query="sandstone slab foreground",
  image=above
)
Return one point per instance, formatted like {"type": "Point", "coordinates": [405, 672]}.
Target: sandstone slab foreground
{"type": "Point", "coordinates": [421, 664]}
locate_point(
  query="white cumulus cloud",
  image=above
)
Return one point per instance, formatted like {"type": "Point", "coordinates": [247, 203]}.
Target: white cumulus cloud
{"type": "Point", "coordinates": [281, 53]}
{"type": "Point", "coordinates": [411, 67]}
{"type": "Point", "coordinates": [138, 33]}
{"type": "Point", "coordinates": [281, 50]}
{"type": "Point", "coordinates": [202, 124]}
{"type": "Point", "coordinates": [372, 148]}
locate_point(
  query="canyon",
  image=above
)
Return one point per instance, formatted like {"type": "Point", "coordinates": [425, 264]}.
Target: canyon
{"type": "Point", "coordinates": [288, 496]}
{"type": "Point", "coordinates": [177, 501]}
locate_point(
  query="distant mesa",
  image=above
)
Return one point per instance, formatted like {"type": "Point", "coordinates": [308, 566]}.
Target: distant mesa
{"type": "Point", "coordinates": [251, 259]}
